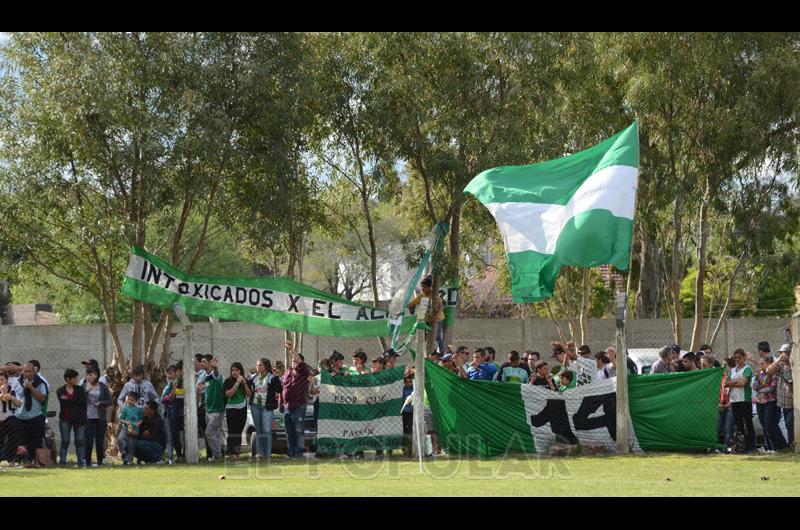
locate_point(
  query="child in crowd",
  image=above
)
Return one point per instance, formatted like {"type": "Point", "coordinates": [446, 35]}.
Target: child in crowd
{"type": "Point", "coordinates": [130, 419]}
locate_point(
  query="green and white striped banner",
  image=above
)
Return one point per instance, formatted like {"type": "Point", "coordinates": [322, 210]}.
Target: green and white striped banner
{"type": "Point", "coordinates": [275, 302]}
{"type": "Point", "coordinates": [360, 412]}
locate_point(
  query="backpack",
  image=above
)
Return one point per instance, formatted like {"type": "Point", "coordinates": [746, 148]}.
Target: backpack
{"type": "Point", "coordinates": [737, 443]}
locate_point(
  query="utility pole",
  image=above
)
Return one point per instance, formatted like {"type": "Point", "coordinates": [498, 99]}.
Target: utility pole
{"type": "Point", "coordinates": [191, 449]}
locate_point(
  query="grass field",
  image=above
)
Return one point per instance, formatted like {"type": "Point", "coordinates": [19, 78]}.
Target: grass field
{"type": "Point", "coordinates": [651, 475]}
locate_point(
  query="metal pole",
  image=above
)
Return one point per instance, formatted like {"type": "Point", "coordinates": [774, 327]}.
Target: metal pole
{"type": "Point", "coordinates": [191, 449]}
{"type": "Point", "coordinates": [622, 378]}
{"type": "Point", "coordinates": [796, 375]}
{"type": "Point", "coordinates": [418, 439]}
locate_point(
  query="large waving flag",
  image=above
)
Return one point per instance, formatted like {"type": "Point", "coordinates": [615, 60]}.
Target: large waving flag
{"type": "Point", "coordinates": [576, 210]}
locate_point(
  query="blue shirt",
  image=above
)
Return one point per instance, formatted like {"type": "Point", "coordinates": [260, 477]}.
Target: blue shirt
{"type": "Point", "coordinates": [484, 372]}
{"type": "Point", "coordinates": [37, 407]}
{"type": "Point", "coordinates": [407, 391]}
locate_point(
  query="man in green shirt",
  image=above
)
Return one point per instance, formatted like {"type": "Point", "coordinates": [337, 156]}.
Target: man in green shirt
{"type": "Point", "coordinates": [211, 386]}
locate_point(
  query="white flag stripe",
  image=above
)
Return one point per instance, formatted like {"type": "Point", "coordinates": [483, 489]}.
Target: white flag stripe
{"type": "Point", "coordinates": [533, 226]}
{"type": "Point", "coordinates": [360, 395]}
{"type": "Point", "coordinates": [342, 429]}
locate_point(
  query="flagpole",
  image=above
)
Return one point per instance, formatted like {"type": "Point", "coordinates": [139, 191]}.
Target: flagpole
{"type": "Point", "coordinates": [623, 409]}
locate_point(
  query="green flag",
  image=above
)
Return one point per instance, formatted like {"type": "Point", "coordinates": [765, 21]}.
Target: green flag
{"type": "Point", "coordinates": [576, 210]}
{"type": "Point", "coordinates": [276, 302]}
{"type": "Point", "coordinates": [668, 412]}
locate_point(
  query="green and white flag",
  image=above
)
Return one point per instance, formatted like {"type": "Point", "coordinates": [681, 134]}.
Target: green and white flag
{"type": "Point", "coordinates": [576, 210]}
{"type": "Point", "coordinates": [275, 302]}
{"type": "Point", "coordinates": [668, 412]}
{"type": "Point", "coordinates": [360, 412]}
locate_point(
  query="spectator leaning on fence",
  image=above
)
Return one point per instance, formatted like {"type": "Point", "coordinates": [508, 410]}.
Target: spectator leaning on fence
{"type": "Point", "coordinates": [742, 398]}
{"type": "Point", "coordinates": [9, 401]}
{"type": "Point", "coordinates": [98, 398]}
{"type": "Point", "coordinates": [30, 415]}
{"type": "Point", "coordinates": [782, 370]}
{"type": "Point", "coordinates": [765, 388]}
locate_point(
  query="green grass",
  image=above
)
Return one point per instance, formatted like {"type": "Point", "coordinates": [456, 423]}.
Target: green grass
{"type": "Point", "coordinates": [711, 475]}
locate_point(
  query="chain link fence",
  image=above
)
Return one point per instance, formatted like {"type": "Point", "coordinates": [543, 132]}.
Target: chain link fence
{"type": "Point", "coordinates": [60, 347]}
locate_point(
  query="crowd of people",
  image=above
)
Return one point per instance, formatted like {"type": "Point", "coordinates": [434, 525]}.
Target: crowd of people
{"type": "Point", "coordinates": [148, 425]}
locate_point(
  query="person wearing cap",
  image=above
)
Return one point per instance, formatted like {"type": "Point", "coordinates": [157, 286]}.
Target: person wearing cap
{"type": "Point", "coordinates": [448, 361]}
{"type": "Point", "coordinates": [141, 386]}
{"type": "Point", "coordinates": [665, 364]}
{"type": "Point", "coordinates": [435, 316]}
{"type": "Point", "coordinates": [781, 369]}
{"type": "Point", "coordinates": [391, 358]}
{"type": "Point", "coordinates": [92, 363]}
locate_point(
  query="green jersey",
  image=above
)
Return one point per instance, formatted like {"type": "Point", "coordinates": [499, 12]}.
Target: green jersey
{"type": "Point", "coordinates": [215, 397]}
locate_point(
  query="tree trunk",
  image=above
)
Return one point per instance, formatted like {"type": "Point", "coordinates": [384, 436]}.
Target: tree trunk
{"type": "Point", "coordinates": [699, 285]}
{"type": "Point", "coordinates": [728, 298]}
{"type": "Point", "coordinates": [676, 273]}
{"type": "Point", "coordinates": [584, 324]}
{"type": "Point", "coordinates": [136, 337]}
{"type": "Point", "coordinates": [647, 291]}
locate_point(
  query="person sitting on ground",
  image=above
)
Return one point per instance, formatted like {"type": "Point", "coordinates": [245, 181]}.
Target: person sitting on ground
{"type": "Point", "coordinates": [543, 376]}
{"type": "Point", "coordinates": [514, 372]}
{"type": "Point", "coordinates": [130, 419]}
{"type": "Point", "coordinates": [152, 439]}
{"type": "Point", "coordinates": [378, 364]}
{"type": "Point", "coordinates": [665, 364]}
